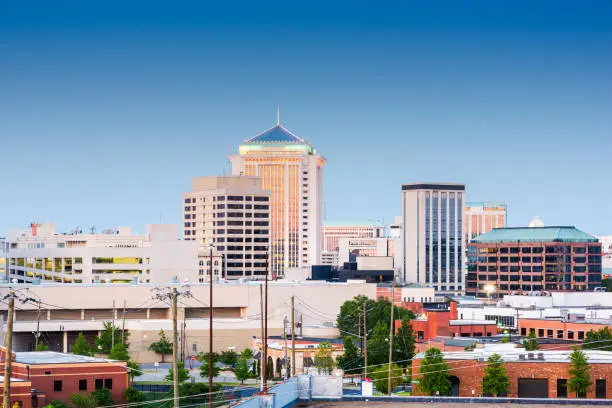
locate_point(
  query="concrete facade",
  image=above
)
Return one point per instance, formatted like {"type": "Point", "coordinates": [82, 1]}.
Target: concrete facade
{"type": "Point", "coordinates": [236, 307]}
{"type": "Point", "coordinates": [229, 215]}
{"type": "Point", "coordinates": [432, 235]}
{"type": "Point", "coordinates": [481, 217]}
{"type": "Point", "coordinates": [115, 256]}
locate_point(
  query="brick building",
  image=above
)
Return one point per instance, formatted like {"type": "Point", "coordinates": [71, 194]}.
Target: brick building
{"type": "Point", "coordinates": [558, 328]}
{"type": "Point", "coordinates": [21, 393]}
{"type": "Point", "coordinates": [521, 260]}
{"type": "Point", "coordinates": [56, 376]}
{"type": "Point", "coordinates": [542, 374]}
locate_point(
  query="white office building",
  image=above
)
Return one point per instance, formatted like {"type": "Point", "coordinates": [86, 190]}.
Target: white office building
{"type": "Point", "coordinates": [432, 235]}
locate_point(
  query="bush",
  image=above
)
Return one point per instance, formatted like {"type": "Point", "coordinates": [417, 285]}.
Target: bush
{"type": "Point", "coordinates": [133, 395]}
{"type": "Point", "coordinates": [56, 404]}
{"type": "Point", "coordinates": [380, 375]}
{"type": "Point", "coordinates": [83, 400]}
{"type": "Point", "coordinates": [103, 397]}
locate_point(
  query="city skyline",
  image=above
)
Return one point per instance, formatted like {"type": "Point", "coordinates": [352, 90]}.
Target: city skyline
{"type": "Point", "coordinates": [512, 102]}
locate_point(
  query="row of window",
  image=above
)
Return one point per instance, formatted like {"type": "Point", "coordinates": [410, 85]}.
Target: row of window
{"type": "Point", "coordinates": [229, 198]}
{"type": "Point", "coordinates": [561, 249]}
{"type": "Point", "coordinates": [83, 384]}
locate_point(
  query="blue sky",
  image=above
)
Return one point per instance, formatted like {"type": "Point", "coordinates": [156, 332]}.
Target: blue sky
{"type": "Point", "coordinates": [107, 109]}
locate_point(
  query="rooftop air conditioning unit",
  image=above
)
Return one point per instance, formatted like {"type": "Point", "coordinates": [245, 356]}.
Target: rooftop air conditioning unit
{"type": "Point", "coordinates": [541, 356]}
{"type": "Point", "coordinates": [521, 356]}
{"type": "Point", "coordinates": [530, 356]}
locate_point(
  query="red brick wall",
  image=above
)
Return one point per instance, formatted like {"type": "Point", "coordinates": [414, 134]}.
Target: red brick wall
{"type": "Point", "coordinates": [20, 392]}
{"type": "Point", "coordinates": [470, 373]}
{"type": "Point", "coordinates": [475, 329]}
{"type": "Point", "coordinates": [555, 325]}
{"type": "Point", "coordinates": [43, 377]}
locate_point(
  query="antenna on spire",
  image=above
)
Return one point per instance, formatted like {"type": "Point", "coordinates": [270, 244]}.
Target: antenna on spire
{"type": "Point", "coordinates": [278, 116]}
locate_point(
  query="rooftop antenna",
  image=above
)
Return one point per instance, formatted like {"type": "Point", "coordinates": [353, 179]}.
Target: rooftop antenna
{"type": "Point", "coordinates": [278, 116]}
{"type": "Point", "coordinates": [92, 229]}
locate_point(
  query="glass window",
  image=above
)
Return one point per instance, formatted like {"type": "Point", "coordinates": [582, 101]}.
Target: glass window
{"type": "Point", "coordinates": [57, 385]}
{"type": "Point", "coordinates": [108, 383]}
{"type": "Point", "coordinates": [82, 385]}
{"type": "Point", "coordinates": [99, 383]}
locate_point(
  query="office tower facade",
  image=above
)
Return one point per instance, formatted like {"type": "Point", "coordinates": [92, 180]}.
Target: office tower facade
{"type": "Point", "coordinates": [432, 235]}
{"type": "Point", "coordinates": [525, 259]}
{"type": "Point", "coordinates": [233, 214]}
{"type": "Point", "coordinates": [290, 168]}
{"type": "Point", "coordinates": [482, 217]}
{"type": "Point", "coordinates": [334, 231]}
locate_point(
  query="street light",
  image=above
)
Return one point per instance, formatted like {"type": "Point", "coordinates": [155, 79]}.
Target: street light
{"type": "Point", "coordinates": [490, 289]}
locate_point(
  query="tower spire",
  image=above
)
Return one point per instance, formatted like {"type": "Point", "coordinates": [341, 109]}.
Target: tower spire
{"type": "Point", "coordinates": [278, 116]}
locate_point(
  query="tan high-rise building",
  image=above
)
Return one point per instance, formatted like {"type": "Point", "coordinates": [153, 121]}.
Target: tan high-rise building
{"type": "Point", "coordinates": [229, 215]}
{"type": "Point", "coordinates": [482, 217]}
{"type": "Point", "coordinates": [290, 168]}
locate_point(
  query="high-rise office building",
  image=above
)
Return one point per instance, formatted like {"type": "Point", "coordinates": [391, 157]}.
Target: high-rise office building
{"type": "Point", "coordinates": [432, 235]}
{"type": "Point", "coordinates": [290, 168]}
{"type": "Point", "coordinates": [482, 217]}
{"type": "Point", "coordinates": [229, 215]}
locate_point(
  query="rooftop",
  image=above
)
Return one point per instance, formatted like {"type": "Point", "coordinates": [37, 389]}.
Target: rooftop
{"type": "Point", "coordinates": [352, 224]}
{"type": "Point", "coordinates": [434, 186]}
{"type": "Point", "coordinates": [277, 134]}
{"type": "Point", "coordinates": [542, 234]}
{"type": "Point", "coordinates": [510, 354]}
{"type": "Point", "coordinates": [53, 357]}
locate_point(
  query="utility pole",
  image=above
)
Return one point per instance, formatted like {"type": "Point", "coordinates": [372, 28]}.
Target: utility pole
{"type": "Point", "coordinates": [37, 334]}
{"type": "Point", "coordinates": [6, 395]}
{"type": "Point", "coordinates": [265, 347]}
{"type": "Point", "coordinates": [391, 334]}
{"type": "Point", "coordinates": [123, 326]}
{"type": "Point", "coordinates": [261, 363]}
{"type": "Point", "coordinates": [286, 346]}
{"type": "Point", "coordinates": [292, 362]}
{"type": "Point", "coordinates": [172, 294]}
{"type": "Point", "coordinates": [175, 347]}
{"type": "Point", "coordinates": [210, 333]}
{"type": "Point", "coordinates": [113, 328]}
{"type": "Point", "coordinates": [365, 343]}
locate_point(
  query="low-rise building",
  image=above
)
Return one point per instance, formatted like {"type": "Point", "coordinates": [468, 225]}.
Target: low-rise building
{"type": "Point", "coordinates": [67, 310]}
{"type": "Point", "coordinates": [113, 256]}
{"type": "Point", "coordinates": [561, 328]}
{"type": "Point", "coordinates": [522, 260]}
{"type": "Point", "coordinates": [540, 374]}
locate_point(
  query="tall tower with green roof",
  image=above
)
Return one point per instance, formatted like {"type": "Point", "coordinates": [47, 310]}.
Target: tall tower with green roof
{"type": "Point", "coordinates": [291, 169]}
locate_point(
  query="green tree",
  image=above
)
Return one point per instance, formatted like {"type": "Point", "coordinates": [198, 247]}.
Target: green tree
{"type": "Point", "coordinates": [133, 395]}
{"type": "Point", "coordinates": [81, 346]}
{"type": "Point", "coordinates": [270, 368]}
{"type": "Point", "coordinates": [83, 400]}
{"type": "Point", "coordinates": [103, 342]}
{"type": "Point", "coordinates": [579, 380]}
{"type": "Point", "coordinates": [257, 368]}
{"type": "Point", "coordinates": [103, 397]}
{"type": "Point", "coordinates": [378, 344]}
{"type": "Point", "coordinates": [531, 343]}
{"type": "Point", "coordinates": [196, 394]}
{"type": "Point", "coordinates": [228, 357]}
{"type": "Point", "coordinates": [42, 347]}
{"type": "Point", "coordinates": [162, 346]}
{"type": "Point", "coordinates": [323, 359]}
{"type": "Point", "coordinates": [242, 369]}
{"type": "Point", "coordinates": [183, 374]}
{"type": "Point", "coordinates": [56, 404]}
{"type": "Point", "coordinates": [403, 344]}
{"type": "Point", "coordinates": [495, 381]}
{"type": "Point", "coordinates": [434, 373]}
{"type": "Point", "coordinates": [380, 376]}
{"type": "Point", "coordinates": [351, 362]}
{"type": "Point", "coordinates": [119, 352]}
{"type": "Point", "coordinates": [135, 370]}
{"type": "Point", "coordinates": [350, 318]}
{"type": "Point", "coordinates": [607, 283]}
{"type": "Point", "coordinates": [247, 353]}
{"type": "Point", "coordinates": [600, 339]}
{"type": "Point", "coordinates": [203, 358]}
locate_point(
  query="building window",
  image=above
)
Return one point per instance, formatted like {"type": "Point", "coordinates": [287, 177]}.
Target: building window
{"type": "Point", "coordinates": [559, 334]}
{"type": "Point", "coordinates": [99, 383]}
{"type": "Point", "coordinates": [570, 335]}
{"type": "Point", "coordinates": [523, 331]}
{"type": "Point", "coordinates": [82, 385]}
{"type": "Point", "coordinates": [561, 388]}
{"type": "Point", "coordinates": [57, 385]}
{"type": "Point", "coordinates": [540, 332]}
{"type": "Point", "coordinates": [580, 335]}
{"type": "Point", "coordinates": [108, 383]}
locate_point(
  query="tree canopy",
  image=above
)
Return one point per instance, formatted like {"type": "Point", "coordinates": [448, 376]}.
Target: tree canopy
{"type": "Point", "coordinates": [579, 380]}
{"type": "Point", "coordinates": [435, 378]}
{"type": "Point", "coordinates": [104, 340]}
{"type": "Point", "coordinates": [378, 344]}
{"type": "Point", "coordinates": [403, 344]}
{"type": "Point", "coordinates": [42, 347]}
{"type": "Point", "coordinates": [600, 339]}
{"type": "Point", "coordinates": [495, 380]}
{"type": "Point", "coordinates": [323, 358]}
{"type": "Point", "coordinates": [183, 373]}
{"type": "Point", "coordinates": [203, 358]}
{"type": "Point", "coordinates": [351, 362]}
{"type": "Point", "coordinates": [242, 369]}
{"type": "Point", "coordinates": [380, 376]}
{"type": "Point", "coordinates": [81, 346]}
{"type": "Point", "coordinates": [531, 342]}
{"type": "Point", "coordinates": [163, 346]}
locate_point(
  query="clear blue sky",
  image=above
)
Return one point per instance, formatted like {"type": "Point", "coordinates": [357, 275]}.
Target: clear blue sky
{"type": "Point", "coordinates": [107, 109]}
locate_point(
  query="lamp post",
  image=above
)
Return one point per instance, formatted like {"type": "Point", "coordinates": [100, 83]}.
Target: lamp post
{"type": "Point", "coordinates": [210, 331]}
{"type": "Point", "coordinates": [489, 289]}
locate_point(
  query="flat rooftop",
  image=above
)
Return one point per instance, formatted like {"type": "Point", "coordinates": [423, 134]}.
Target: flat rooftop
{"type": "Point", "coordinates": [53, 357]}
{"type": "Point", "coordinates": [509, 354]}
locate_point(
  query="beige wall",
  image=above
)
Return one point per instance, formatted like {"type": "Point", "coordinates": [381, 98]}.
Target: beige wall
{"type": "Point", "coordinates": [86, 307]}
